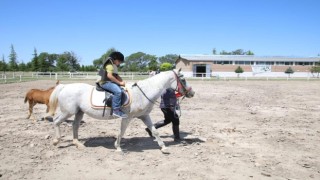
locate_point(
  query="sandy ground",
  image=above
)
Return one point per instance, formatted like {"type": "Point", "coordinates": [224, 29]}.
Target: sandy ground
{"type": "Point", "coordinates": [233, 130]}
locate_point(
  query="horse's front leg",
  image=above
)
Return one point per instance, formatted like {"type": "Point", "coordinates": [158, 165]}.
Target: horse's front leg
{"type": "Point", "coordinates": [147, 121]}
{"type": "Point", "coordinates": [123, 127]}
{"type": "Point", "coordinates": [76, 123]}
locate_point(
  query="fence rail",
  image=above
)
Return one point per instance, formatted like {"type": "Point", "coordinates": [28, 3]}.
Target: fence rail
{"type": "Point", "coordinates": [14, 77]}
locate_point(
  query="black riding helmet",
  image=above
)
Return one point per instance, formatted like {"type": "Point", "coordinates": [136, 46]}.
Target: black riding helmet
{"type": "Point", "coordinates": [117, 55]}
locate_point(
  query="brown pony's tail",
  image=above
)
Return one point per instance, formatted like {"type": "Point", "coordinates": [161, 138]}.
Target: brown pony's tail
{"type": "Point", "coordinates": [25, 99]}
{"type": "Point", "coordinates": [53, 102]}
{"type": "Point", "coordinates": [27, 94]}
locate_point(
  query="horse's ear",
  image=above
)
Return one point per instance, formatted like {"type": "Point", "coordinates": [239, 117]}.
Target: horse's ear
{"type": "Point", "coordinates": [57, 82]}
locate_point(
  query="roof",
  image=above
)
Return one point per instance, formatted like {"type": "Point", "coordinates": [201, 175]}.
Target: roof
{"type": "Point", "coordinates": [247, 58]}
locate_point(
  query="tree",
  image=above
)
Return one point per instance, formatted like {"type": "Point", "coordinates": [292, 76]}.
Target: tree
{"type": "Point", "coordinates": [13, 62]}
{"type": "Point", "coordinates": [62, 63]}
{"type": "Point", "coordinates": [237, 52]}
{"type": "Point", "coordinates": [289, 71]}
{"type": "Point", "coordinates": [35, 61]}
{"type": "Point", "coordinates": [98, 62]}
{"type": "Point", "coordinates": [316, 69]}
{"type": "Point", "coordinates": [139, 62]}
{"type": "Point", "coordinates": [153, 64]}
{"type": "Point", "coordinates": [22, 66]}
{"type": "Point", "coordinates": [239, 70]}
{"type": "Point", "coordinates": [68, 62]}
{"type": "Point", "coordinates": [214, 51]}
{"type": "Point", "coordinates": [249, 53]}
{"type": "Point", "coordinates": [165, 66]}
{"type": "Point", "coordinates": [169, 58]}
{"type": "Point", "coordinates": [3, 65]}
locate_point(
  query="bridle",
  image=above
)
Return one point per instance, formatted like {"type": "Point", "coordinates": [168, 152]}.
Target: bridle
{"type": "Point", "coordinates": [181, 87]}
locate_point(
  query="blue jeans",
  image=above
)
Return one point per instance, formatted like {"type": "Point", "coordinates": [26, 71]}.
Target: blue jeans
{"type": "Point", "coordinates": [116, 90]}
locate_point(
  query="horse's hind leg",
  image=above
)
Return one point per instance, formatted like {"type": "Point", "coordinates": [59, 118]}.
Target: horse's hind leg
{"type": "Point", "coordinates": [31, 105]}
{"type": "Point", "coordinates": [147, 121]}
{"type": "Point", "coordinates": [124, 124]}
{"type": "Point", "coordinates": [58, 120]}
{"type": "Point", "coordinates": [76, 123]}
{"type": "Point", "coordinates": [30, 109]}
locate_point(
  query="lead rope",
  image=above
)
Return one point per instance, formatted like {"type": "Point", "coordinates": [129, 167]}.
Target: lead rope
{"type": "Point", "coordinates": [178, 105]}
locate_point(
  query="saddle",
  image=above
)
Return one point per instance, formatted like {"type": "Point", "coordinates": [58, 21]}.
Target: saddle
{"type": "Point", "coordinates": [102, 99]}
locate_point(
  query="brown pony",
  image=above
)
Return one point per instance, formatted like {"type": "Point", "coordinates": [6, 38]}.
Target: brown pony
{"type": "Point", "coordinates": [35, 96]}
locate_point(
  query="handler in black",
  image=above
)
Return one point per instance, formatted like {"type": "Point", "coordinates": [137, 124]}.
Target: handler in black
{"type": "Point", "coordinates": [168, 105]}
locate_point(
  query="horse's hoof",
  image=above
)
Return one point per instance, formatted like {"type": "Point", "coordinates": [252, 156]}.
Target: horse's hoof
{"type": "Point", "coordinates": [80, 146]}
{"type": "Point", "coordinates": [55, 142]}
{"type": "Point", "coordinates": [165, 150]}
{"type": "Point", "coordinates": [119, 150]}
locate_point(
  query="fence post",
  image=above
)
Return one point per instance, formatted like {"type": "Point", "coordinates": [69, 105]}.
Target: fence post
{"type": "Point", "coordinates": [5, 78]}
{"type": "Point", "coordinates": [56, 76]}
{"type": "Point", "coordinates": [20, 78]}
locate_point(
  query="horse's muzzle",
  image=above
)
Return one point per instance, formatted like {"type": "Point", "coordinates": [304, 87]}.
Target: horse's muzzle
{"type": "Point", "coordinates": [190, 93]}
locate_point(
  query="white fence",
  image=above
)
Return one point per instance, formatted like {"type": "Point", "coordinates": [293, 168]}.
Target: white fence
{"type": "Point", "coordinates": [10, 77]}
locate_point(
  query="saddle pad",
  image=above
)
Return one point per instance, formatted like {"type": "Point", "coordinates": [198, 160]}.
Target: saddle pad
{"type": "Point", "coordinates": [97, 98]}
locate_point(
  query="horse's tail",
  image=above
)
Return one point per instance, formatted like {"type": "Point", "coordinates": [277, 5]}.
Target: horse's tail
{"type": "Point", "coordinates": [53, 102]}
{"type": "Point", "coordinates": [26, 98]}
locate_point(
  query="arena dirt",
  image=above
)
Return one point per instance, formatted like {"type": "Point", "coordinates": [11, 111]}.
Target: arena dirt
{"type": "Point", "coordinates": [232, 130]}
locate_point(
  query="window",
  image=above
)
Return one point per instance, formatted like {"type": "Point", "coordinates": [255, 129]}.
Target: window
{"type": "Point", "coordinates": [264, 63]}
{"type": "Point", "coordinates": [244, 62]}
{"type": "Point", "coordinates": [222, 62]}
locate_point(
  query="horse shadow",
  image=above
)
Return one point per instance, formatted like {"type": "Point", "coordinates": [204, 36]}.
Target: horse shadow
{"type": "Point", "coordinates": [139, 144]}
{"type": "Point", "coordinates": [134, 144]}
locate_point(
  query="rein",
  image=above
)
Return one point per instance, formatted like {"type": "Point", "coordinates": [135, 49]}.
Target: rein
{"type": "Point", "coordinates": [153, 102]}
{"type": "Point", "coordinates": [177, 89]}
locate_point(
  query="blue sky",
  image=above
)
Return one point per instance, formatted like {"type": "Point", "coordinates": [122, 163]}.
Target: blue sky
{"type": "Point", "coordinates": [90, 28]}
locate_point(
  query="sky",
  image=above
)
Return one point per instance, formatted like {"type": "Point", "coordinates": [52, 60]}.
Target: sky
{"type": "Point", "coordinates": [159, 27]}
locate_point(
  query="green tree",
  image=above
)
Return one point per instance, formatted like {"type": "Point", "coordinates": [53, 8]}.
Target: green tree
{"type": "Point", "coordinates": [289, 71]}
{"type": "Point", "coordinates": [166, 66]}
{"type": "Point", "coordinates": [35, 61]}
{"type": "Point", "coordinates": [22, 66]}
{"type": "Point", "coordinates": [98, 62]}
{"type": "Point", "coordinates": [68, 62]}
{"type": "Point", "coordinates": [62, 63]}
{"type": "Point", "coordinates": [3, 65]}
{"type": "Point", "coordinates": [46, 61]}
{"type": "Point", "coordinates": [249, 53]}
{"type": "Point", "coordinates": [13, 62]}
{"type": "Point", "coordinates": [316, 69]}
{"type": "Point", "coordinates": [238, 70]}
{"type": "Point", "coordinates": [153, 64]}
{"type": "Point", "coordinates": [214, 51]}
{"type": "Point", "coordinates": [169, 58]}
{"type": "Point", "coordinates": [138, 62]}
{"type": "Point", "coordinates": [237, 52]}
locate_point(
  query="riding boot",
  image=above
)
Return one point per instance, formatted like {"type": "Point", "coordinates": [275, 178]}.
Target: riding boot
{"type": "Point", "coordinates": [176, 132]}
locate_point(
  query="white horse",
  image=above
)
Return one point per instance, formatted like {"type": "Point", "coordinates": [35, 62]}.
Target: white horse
{"type": "Point", "coordinates": [74, 99]}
